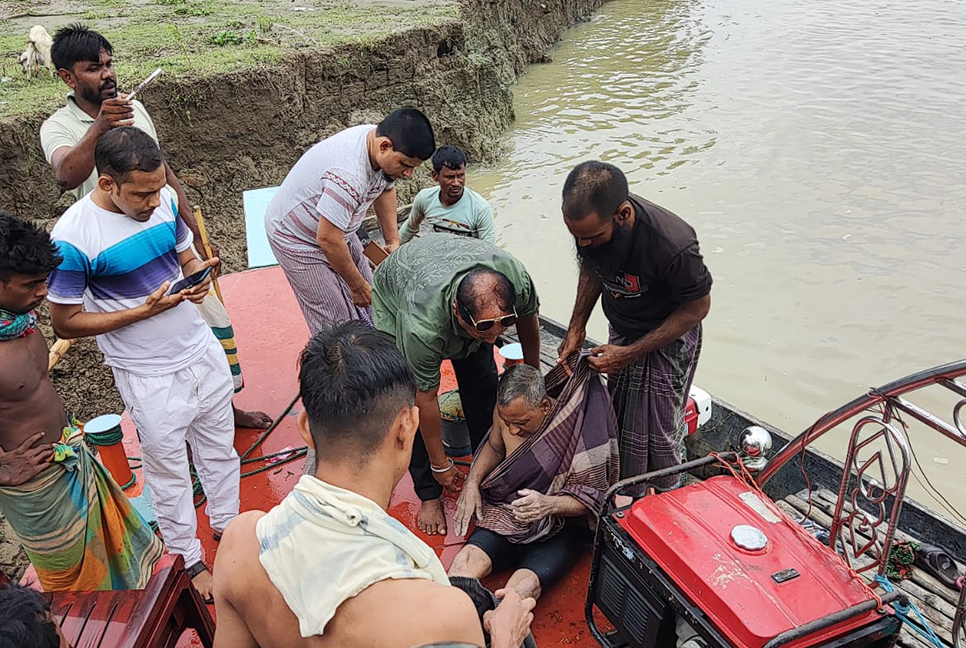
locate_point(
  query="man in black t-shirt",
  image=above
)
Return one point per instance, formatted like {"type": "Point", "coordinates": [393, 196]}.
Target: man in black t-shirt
{"type": "Point", "coordinates": [644, 264]}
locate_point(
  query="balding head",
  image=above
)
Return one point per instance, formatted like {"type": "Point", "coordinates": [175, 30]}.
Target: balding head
{"type": "Point", "coordinates": [484, 295]}
{"type": "Point", "coordinates": [594, 188]}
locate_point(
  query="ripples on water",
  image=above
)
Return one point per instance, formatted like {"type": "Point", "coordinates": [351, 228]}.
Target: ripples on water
{"type": "Point", "coordinates": [817, 148]}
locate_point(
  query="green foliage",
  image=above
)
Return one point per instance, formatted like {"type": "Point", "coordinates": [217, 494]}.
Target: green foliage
{"type": "Point", "coordinates": [225, 37]}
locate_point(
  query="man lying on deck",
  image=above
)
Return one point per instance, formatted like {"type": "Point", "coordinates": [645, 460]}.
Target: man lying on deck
{"type": "Point", "coordinates": [75, 523]}
{"type": "Point", "coordinates": [85, 62]}
{"type": "Point", "coordinates": [449, 297]}
{"type": "Point", "coordinates": [537, 482]}
{"type": "Point", "coordinates": [329, 566]}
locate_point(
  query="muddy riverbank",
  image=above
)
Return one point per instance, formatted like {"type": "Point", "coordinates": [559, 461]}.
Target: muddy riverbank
{"type": "Point", "coordinates": [228, 131]}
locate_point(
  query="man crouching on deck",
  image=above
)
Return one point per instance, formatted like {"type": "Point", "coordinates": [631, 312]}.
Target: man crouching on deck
{"type": "Point", "coordinates": [123, 248]}
{"type": "Point", "coordinates": [77, 527]}
{"type": "Point", "coordinates": [539, 478]}
{"type": "Point", "coordinates": [329, 566]}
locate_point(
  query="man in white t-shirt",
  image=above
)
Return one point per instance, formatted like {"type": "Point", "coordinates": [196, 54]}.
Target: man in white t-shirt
{"type": "Point", "coordinates": [123, 248]}
{"type": "Point", "coordinates": [312, 221]}
{"type": "Point", "coordinates": [85, 62]}
{"type": "Point", "coordinates": [451, 207]}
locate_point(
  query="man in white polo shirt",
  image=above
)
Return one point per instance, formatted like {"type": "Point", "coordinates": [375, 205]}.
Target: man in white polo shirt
{"type": "Point", "coordinates": [84, 59]}
{"type": "Point", "coordinates": [123, 248]}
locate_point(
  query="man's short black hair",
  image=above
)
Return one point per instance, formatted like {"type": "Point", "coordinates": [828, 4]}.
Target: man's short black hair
{"type": "Point", "coordinates": [74, 43]}
{"type": "Point", "coordinates": [482, 285]}
{"type": "Point", "coordinates": [25, 249]}
{"type": "Point", "coordinates": [120, 151]}
{"type": "Point", "coordinates": [594, 187]}
{"type": "Point", "coordinates": [410, 133]}
{"type": "Point", "coordinates": [25, 620]}
{"type": "Point", "coordinates": [451, 157]}
{"type": "Point", "coordinates": [353, 382]}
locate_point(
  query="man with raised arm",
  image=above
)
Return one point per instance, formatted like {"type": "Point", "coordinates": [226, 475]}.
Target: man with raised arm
{"type": "Point", "coordinates": [643, 263]}
{"type": "Point", "coordinates": [123, 248]}
{"type": "Point", "coordinates": [76, 525]}
{"type": "Point", "coordinates": [329, 566]}
{"type": "Point", "coordinates": [312, 221]}
{"type": "Point", "coordinates": [447, 297]}
{"type": "Point", "coordinates": [85, 62]}
{"type": "Point", "coordinates": [451, 207]}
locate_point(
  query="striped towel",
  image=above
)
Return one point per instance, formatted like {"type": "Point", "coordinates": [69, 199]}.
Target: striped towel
{"type": "Point", "coordinates": [574, 454]}
{"type": "Point", "coordinates": [323, 545]}
{"type": "Point", "coordinates": [78, 527]}
{"type": "Point", "coordinates": [216, 317]}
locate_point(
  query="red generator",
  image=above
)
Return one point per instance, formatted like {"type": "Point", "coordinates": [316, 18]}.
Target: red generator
{"type": "Point", "coordinates": [715, 565]}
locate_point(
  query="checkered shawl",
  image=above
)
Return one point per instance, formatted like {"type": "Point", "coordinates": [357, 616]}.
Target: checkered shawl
{"type": "Point", "coordinates": [574, 454]}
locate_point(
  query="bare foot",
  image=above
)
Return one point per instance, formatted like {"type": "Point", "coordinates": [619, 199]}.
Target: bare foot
{"type": "Point", "coordinates": [431, 519]}
{"type": "Point", "coordinates": [204, 583]}
{"type": "Point", "coordinates": [251, 420]}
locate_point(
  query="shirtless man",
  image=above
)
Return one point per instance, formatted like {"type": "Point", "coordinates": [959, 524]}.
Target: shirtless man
{"type": "Point", "coordinates": [34, 486]}
{"type": "Point", "coordinates": [328, 566]}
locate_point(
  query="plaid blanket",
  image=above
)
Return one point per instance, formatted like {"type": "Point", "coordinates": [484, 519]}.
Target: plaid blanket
{"type": "Point", "coordinates": [575, 454]}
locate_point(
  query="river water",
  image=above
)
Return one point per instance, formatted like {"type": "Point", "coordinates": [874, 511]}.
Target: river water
{"type": "Point", "coordinates": [817, 149]}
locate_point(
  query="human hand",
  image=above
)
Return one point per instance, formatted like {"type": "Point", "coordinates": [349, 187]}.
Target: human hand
{"type": "Point", "coordinates": [24, 462]}
{"type": "Point", "coordinates": [610, 358]}
{"type": "Point", "coordinates": [531, 506]}
{"type": "Point", "coordinates": [572, 342]}
{"type": "Point", "coordinates": [509, 624]}
{"type": "Point", "coordinates": [159, 301]}
{"type": "Point", "coordinates": [215, 254]}
{"type": "Point", "coordinates": [391, 246]}
{"type": "Point", "coordinates": [196, 294]}
{"type": "Point", "coordinates": [114, 113]}
{"type": "Point", "coordinates": [470, 504]}
{"type": "Point", "coordinates": [361, 294]}
{"type": "Point", "coordinates": [451, 479]}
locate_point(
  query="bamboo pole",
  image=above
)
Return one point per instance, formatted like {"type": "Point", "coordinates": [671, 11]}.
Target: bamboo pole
{"type": "Point", "coordinates": [57, 351]}
{"type": "Point", "coordinates": [207, 246]}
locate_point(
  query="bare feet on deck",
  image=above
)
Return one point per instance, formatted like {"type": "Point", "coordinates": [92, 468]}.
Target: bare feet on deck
{"type": "Point", "coordinates": [204, 583]}
{"type": "Point", "coordinates": [431, 519]}
{"type": "Point", "coordinates": [251, 420]}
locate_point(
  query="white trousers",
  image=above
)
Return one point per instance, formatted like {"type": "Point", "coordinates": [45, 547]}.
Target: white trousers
{"type": "Point", "coordinates": [192, 405]}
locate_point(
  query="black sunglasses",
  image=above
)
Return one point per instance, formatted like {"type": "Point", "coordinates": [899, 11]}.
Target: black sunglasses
{"type": "Point", "coordinates": [482, 326]}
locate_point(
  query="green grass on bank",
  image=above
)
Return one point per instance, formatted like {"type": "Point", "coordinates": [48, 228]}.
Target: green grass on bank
{"type": "Point", "coordinates": [197, 37]}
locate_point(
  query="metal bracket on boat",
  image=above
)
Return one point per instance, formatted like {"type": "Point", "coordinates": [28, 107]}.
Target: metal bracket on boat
{"type": "Point", "coordinates": [877, 469]}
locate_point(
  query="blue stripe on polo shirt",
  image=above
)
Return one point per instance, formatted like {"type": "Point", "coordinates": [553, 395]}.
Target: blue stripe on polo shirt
{"type": "Point", "coordinates": [135, 251]}
{"type": "Point", "coordinates": [140, 282]}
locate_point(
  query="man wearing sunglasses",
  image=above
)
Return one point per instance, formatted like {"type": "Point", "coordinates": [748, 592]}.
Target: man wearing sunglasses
{"type": "Point", "coordinates": [448, 298]}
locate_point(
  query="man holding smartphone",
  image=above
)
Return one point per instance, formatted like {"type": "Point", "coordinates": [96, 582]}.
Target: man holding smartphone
{"type": "Point", "coordinates": [123, 247]}
{"type": "Point", "coordinates": [84, 59]}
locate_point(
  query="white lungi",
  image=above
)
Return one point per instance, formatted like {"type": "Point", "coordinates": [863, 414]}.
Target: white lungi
{"type": "Point", "coordinates": [192, 404]}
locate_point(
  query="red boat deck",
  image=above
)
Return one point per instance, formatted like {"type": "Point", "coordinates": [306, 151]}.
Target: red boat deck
{"type": "Point", "coordinates": [269, 341]}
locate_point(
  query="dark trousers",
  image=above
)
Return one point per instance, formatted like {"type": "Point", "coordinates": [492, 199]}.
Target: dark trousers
{"type": "Point", "coordinates": [476, 376]}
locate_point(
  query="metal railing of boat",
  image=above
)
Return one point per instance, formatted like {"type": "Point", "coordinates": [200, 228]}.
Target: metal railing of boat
{"type": "Point", "coordinates": [872, 489]}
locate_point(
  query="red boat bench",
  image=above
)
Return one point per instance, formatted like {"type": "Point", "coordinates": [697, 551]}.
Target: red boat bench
{"type": "Point", "coordinates": [154, 617]}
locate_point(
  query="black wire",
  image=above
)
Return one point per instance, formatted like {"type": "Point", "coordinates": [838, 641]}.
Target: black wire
{"type": "Point", "coordinates": [932, 491]}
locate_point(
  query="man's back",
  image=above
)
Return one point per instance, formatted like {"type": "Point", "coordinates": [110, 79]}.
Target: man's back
{"type": "Point", "coordinates": [389, 614]}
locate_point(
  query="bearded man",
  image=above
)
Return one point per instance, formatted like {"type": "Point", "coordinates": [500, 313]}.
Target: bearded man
{"type": "Point", "coordinates": [644, 264]}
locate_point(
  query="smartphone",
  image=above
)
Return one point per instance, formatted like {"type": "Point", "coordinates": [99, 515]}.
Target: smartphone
{"type": "Point", "coordinates": [190, 281]}
{"type": "Point", "coordinates": [141, 86]}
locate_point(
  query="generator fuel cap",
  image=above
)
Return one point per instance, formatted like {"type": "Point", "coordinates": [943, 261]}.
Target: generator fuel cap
{"type": "Point", "coordinates": [749, 538]}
